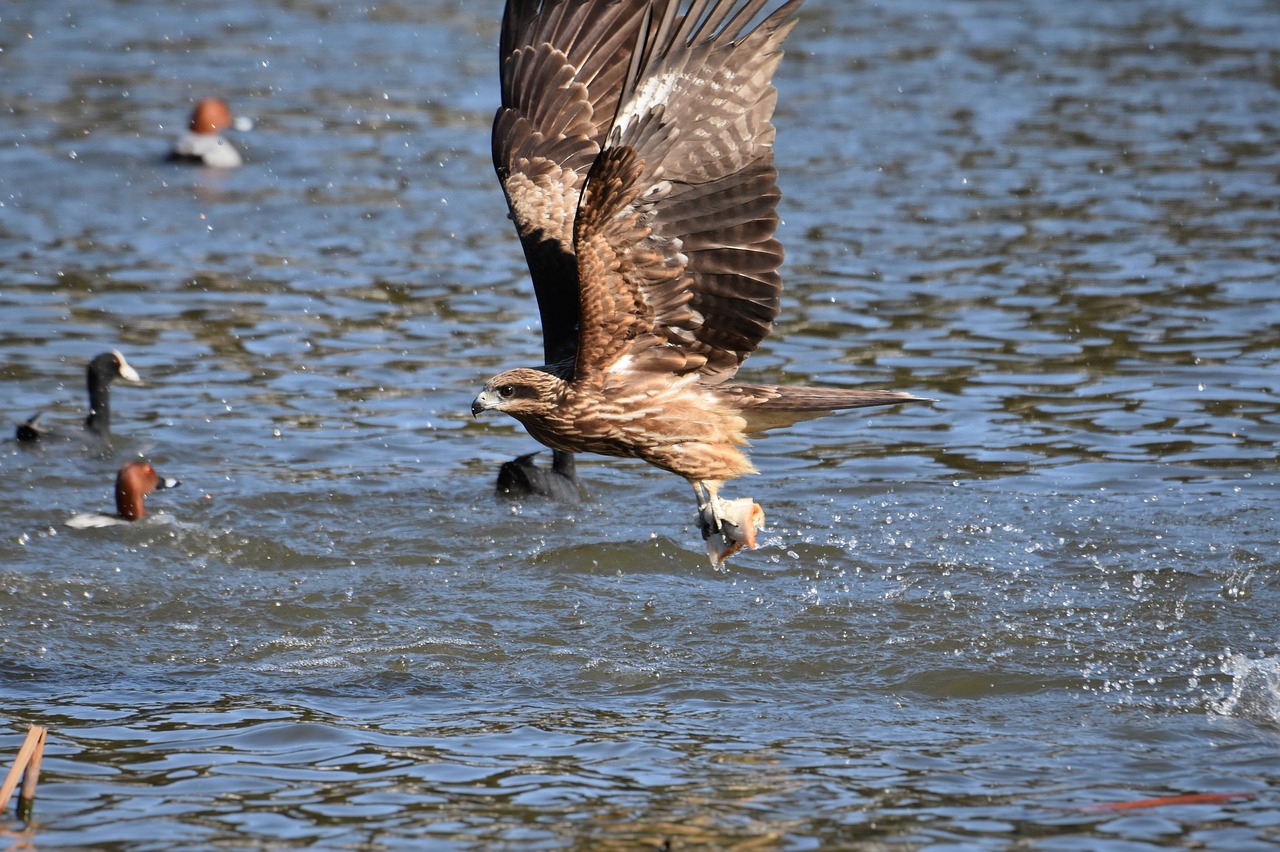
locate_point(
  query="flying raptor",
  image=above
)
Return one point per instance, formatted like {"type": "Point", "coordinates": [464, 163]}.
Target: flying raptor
{"type": "Point", "coordinates": [635, 147]}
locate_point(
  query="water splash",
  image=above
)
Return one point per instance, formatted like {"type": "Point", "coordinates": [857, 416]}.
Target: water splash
{"type": "Point", "coordinates": [1255, 689]}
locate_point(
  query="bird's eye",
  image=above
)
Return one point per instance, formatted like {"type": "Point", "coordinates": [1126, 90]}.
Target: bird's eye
{"type": "Point", "coordinates": [507, 391]}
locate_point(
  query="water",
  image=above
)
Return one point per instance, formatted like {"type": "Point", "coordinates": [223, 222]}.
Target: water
{"type": "Point", "coordinates": [1053, 587]}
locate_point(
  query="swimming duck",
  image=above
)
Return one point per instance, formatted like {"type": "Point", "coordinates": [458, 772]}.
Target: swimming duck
{"type": "Point", "coordinates": [102, 371]}
{"type": "Point", "coordinates": [134, 482]}
{"type": "Point", "coordinates": [203, 143]}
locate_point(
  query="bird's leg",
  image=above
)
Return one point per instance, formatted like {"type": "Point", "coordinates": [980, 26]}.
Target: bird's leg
{"type": "Point", "coordinates": [711, 514]}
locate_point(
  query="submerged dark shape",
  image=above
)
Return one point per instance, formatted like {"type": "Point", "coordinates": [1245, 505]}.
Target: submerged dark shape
{"type": "Point", "coordinates": [520, 477]}
{"type": "Point", "coordinates": [101, 372]}
{"type": "Point", "coordinates": [635, 147]}
{"type": "Point", "coordinates": [30, 429]}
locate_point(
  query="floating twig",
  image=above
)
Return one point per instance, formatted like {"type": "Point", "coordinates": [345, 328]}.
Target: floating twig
{"type": "Point", "coordinates": [1163, 801]}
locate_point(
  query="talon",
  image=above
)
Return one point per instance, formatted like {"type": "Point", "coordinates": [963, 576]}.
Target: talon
{"type": "Point", "coordinates": [711, 523]}
{"type": "Point", "coordinates": [707, 520]}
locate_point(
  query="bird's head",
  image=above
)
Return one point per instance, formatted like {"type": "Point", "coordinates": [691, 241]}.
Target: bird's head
{"type": "Point", "coordinates": [522, 392]}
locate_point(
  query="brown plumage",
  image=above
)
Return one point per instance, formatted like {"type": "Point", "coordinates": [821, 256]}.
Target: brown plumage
{"type": "Point", "coordinates": [635, 147]}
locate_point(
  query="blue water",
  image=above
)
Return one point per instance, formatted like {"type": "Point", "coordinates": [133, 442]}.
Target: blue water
{"type": "Point", "coordinates": [1053, 587]}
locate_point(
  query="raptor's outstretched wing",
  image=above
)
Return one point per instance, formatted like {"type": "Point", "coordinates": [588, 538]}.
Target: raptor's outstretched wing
{"type": "Point", "coordinates": [677, 263]}
{"type": "Point", "coordinates": [671, 253]}
{"type": "Point", "coordinates": [563, 69]}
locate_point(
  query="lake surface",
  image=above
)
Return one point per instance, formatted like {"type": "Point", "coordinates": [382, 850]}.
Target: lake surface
{"type": "Point", "coordinates": [968, 622]}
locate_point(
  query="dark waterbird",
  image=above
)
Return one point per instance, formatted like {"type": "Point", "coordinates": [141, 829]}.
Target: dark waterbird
{"type": "Point", "coordinates": [101, 372]}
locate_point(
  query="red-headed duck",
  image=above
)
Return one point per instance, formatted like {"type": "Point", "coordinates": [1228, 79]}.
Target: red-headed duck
{"type": "Point", "coordinates": [102, 371]}
{"type": "Point", "coordinates": [203, 143]}
{"type": "Point", "coordinates": [133, 483]}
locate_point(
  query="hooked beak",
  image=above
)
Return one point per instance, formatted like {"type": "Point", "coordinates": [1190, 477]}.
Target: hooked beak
{"type": "Point", "coordinates": [482, 403]}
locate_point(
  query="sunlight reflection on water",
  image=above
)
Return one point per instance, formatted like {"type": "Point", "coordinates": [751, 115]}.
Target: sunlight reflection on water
{"type": "Point", "coordinates": [1052, 586]}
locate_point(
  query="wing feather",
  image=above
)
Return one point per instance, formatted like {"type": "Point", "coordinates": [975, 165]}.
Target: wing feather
{"type": "Point", "coordinates": [687, 246]}
{"type": "Point", "coordinates": [563, 66]}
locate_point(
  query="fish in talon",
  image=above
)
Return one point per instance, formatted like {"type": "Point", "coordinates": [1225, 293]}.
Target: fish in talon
{"type": "Point", "coordinates": [729, 529]}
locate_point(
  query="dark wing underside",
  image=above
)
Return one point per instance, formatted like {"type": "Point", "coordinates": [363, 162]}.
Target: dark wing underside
{"type": "Point", "coordinates": [563, 67]}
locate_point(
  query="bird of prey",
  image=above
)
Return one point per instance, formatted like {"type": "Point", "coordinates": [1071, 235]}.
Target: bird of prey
{"type": "Point", "coordinates": [635, 147]}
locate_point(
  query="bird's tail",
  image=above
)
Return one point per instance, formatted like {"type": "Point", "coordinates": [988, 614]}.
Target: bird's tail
{"type": "Point", "coordinates": [770, 406]}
